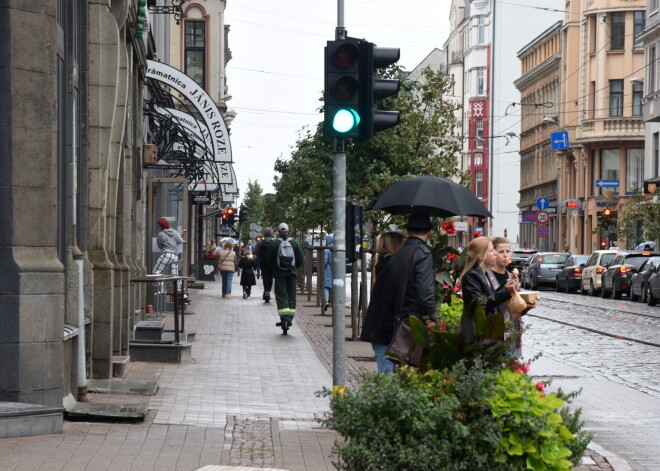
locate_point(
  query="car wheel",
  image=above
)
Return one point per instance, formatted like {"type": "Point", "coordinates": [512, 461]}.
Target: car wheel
{"type": "Point", "coordinates": [633, 297]}
{"type": "Point", "coordinates": [643, 297]}
{"type": "Point", "coordinates": [557, 285]}
{"type": "Point", "coordinates": [616, 294]}
{"type": "Point", "coordinates": [603, 292]}
{"type": "Point", "coordinates": [583, 290]}
{"type": "Point", "coordinates": [593, 289]}
{"type": "Point", "coordinates": [569, 289]}
{"type": "Point", "coordinates": [650, 300]}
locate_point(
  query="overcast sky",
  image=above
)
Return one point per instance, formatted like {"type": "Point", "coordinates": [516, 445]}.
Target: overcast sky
{"type": "Point", "coordinates": [275, 76]}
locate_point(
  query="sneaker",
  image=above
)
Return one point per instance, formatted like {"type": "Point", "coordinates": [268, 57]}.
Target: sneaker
{"type": "Point", "coordinates": [279, 324]}
{"type": "Point", "coordinates": [245, 295]}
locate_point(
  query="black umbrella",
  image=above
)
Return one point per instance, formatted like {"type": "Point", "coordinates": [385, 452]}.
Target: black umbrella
{"type": "Point", "coordinates": [429, 195]}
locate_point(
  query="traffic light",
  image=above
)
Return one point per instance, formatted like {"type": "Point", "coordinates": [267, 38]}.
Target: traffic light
{"type": "Point", "coordinates": [243, 214]}
{"type": "Point", "coordinates": [372, 89]}
{"type": "Point", "coordinates": [231, 216]}
{"type": "Point", "coordinates": [606, 214]}
{"type": "Point", "coordinates": [141, 18]}
{"type": "Point", "coordinates": [341, 89]}
{"type": "Point", "coordinates": [223, 217]}
{"type": "Point", "coordinates": [354, 219]}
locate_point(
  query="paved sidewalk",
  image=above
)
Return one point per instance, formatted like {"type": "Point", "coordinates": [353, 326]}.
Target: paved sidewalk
{"type": "Point", "coordinates": [247, 398]}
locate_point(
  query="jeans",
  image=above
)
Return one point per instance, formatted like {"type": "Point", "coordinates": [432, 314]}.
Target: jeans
{"type": "Point", "coordinates": [227, 277]}
{"type": "Point", "coordinates": [385, 365]}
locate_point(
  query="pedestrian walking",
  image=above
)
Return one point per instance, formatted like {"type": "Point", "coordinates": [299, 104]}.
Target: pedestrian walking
{"type": "Point", "coordinates": [284, 256]}
{"type": "Point", "coordinates": [227, 265]}
{"type": "Point", "coordinates": [380, 320]}
{"type": "Point", "coordinates": [247, 265]}
{"type": "Point", "coordinates": [476, 286]}
{"type": "Point", "coordinates": [327, 278]}
{"type": "Point", "coordinates": [261, 253]}
{"type": "Point", "coordinates": [498, 275]}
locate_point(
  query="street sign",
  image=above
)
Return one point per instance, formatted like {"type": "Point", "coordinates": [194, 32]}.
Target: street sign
{"type": "Point", "coordinates": [542, 217]}
{"type": "Point", "coordinates": [542, 231]}
{"type": "Point", "coordinates": [254, 234]}
{"type": "Point", "coordinates": [542, 203]}
{"type": "Point", "coordinates": [559, 140]}
{"type": "Point", "coordinates": [607, 183]}
{"type": "Point", "coordinates": [200, 197]}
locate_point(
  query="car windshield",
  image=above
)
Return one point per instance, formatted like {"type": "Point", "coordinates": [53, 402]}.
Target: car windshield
{"type": "Point", "coordinates": [636, 260]}
{"type": "Point", "coordinates": [607, 258]}
{"type": "Point", "coordinates": [579, 259]}
{"type": "Point", "coordinates": [553, 259]}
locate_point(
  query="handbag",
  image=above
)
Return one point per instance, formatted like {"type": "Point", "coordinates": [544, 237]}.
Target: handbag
{"type": "Point", "coordinates": [516, 304]}
{"type": "Point", "coordinates": [403, 347]}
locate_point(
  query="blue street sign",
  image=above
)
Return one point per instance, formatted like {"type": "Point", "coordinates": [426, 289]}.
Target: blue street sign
{"type": "Point", "coordinates": [559, 140]}
{"type": "Point", "coordinates": [542, 203]}
{"type": "Point", "coordinates": [607, 183]}
{"type": "Point", "coordinates": [542, 230]}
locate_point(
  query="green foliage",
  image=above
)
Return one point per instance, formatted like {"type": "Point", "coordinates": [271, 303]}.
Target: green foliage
{"type": "Point", "coordinates": [639, 218]}
{"type": "Point", "coordinates": [572, 421]}
{"type": "Point", "coordinates": [533, 434]}
{"type": "Point", "coordinates": [416, 421]}
{"type": "Point", "coordinates": [254, 201]}
{"type": "Point", "coordinates": [450, 313]}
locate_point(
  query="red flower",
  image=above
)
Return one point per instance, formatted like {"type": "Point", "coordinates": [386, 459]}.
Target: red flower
{"type": "Point", "coordinates": [448, 227]}
{"type": "Point", "coordinates": [452, 257]}
{"type": "Point", "coordinates": [457, 288]}
{"type": "Point", "coordinates": [445, 286]}
{"type": "Point", "coordinates": [540, 385]}
{"type": "Point", "coordinates": [520, 367]}
{"type": "Point", "coordinates": [443, 326]}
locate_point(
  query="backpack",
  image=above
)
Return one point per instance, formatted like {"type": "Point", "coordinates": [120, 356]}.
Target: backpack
{"type": "Point", "coordinates": [286, 259]}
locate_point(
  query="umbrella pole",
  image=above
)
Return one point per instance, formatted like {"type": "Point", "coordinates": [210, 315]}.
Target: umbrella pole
{"type": "Point", "coordinates": [338, 263]}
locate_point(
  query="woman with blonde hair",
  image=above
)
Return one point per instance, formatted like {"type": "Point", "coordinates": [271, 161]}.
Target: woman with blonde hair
{"type": "Point", "coordinates": [477, 288]}
{"type": "Point", "coordinates": [227, 265]}
{"type": "Point", "coordinates": [379, 322]}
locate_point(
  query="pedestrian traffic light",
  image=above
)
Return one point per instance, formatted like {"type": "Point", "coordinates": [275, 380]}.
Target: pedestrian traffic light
{"type": "Point", "coordinates": [341, 89]}
{"type": "Point", "coordinates": [373, 89]}
{"type": "Point", "coordinates": [231, 216]}
{"type": "Point", "coordinates": [243, 214]}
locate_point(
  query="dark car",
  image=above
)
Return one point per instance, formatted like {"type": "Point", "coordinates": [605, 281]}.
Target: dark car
{"type": "Point", "coordinates": [518, 258]}
{"type": "Point", "coordinates": [542, 269]}
{"type": "Point", "coordinates": [653, 289]}
{"type": "Point", "coordinates": [616, 279]}
{"type": "Point", "coordinates": [639, 281]}
{"type": "Point", "coordinates": [570, 277]}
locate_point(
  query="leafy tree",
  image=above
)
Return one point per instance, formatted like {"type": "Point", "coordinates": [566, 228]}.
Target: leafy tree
{"type": "Point", "coordinates": [254, 202]}
{"type": "Point", "coordinates": [640, 217]}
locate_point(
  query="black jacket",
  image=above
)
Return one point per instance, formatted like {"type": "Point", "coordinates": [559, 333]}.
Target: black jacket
{"type": "Point", "coordinates": [248, 264]}
{"type": "Point", "coordinates": [475, 286]}
{"type": "Point", "coordinates": [419, 298]}
{"type": "Point", "coordinates": [380, 319]}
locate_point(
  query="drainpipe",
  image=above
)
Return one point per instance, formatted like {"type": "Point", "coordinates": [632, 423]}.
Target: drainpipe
{"type": "Point", "coordinates": [82, 369]}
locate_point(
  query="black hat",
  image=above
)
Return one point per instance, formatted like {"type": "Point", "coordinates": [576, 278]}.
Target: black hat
{"type": "Point", "coordinates": [419, 222]}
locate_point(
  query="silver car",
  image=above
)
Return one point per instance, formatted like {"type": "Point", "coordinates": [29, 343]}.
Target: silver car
{"type": "Point", "coordinates": [542, 269]}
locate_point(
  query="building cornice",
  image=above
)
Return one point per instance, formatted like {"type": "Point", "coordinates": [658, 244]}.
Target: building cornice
{"type": "Point", "coordinates": [543, 69]}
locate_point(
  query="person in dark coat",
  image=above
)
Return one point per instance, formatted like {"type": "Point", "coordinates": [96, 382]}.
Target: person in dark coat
{"type": "Point", "coordinates": [248, 279]}
{"type": "Point", "coordinates": [477, 288]}
{"type": "Point", "coordinates": [378, 327]}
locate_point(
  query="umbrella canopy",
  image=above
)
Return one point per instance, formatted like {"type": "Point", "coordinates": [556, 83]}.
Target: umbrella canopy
{"type": "Point", "coordinates": [429, 195]}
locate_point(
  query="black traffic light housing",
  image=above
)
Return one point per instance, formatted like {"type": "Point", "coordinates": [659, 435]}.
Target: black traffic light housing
{"type": "Point", "coordinates": [341, 89]}
{"type": "Point", "coordinates": [243, 214]}
{"type": "Point", "coordinates": [231, 216]}
{"type": "Point", "coordinates": [354, 233]}
{"type": "Point", "coordinates": [373, 89]}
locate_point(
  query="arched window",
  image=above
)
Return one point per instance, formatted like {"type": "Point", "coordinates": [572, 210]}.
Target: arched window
{"type": "Point", "coordinates": [195, 50]}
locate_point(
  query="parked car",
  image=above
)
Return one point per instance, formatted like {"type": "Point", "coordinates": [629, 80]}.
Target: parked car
{"type": "Point", "coordinates": [653, 289]}
{"type": "Point", "coordinates": [593, 270]}
{"type": "Point", "coordinates": [518, 258]}
{"type": "Point", "coordinates": [616, 279]}
{"type": "Point", "coordinates": [569, 278]}
{"type": "Point", "coordinates": [639, 281]}
{"type": "Point", "coordinates": [542, 268]}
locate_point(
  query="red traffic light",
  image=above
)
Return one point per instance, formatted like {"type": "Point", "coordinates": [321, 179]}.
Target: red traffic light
{"type": "Point", "coordinates": [603, 244]}
{"type": "Point", "coordinates": [607, 212]}
{"type": "Point", "coordinates": [230, 211]}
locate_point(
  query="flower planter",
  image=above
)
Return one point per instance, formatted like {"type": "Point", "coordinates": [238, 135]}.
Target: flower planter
{"type": "Point", "coordinates": [207, 267]}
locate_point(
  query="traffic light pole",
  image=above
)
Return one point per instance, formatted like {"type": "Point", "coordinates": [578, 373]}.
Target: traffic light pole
{"type": "Point", "coordinates": [338, 263]}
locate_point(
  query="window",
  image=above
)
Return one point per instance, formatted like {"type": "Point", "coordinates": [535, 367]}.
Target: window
{"type": "Point", "coordinates": [639, 23]}
{"type": "Point", "coordinates": [638, 91]}
{"type": "Point", "coordinates": [656, 153]}
{"type": "Point", "coordinates": [195, 53]}
{"type": "Point", "coordinates": [480, 81]}
{"type": "Point", "coordinates": [617, 30]}
{"type": "Point", "coordinates": [479, 183]}
{"type": "Point", "coordinates": [609, 165]}
{"type": "Point", "coordinates": [634, 170]}
{"type": "Point", "coordinates": [616, 97]}
{"type": "Point", "coordinates": [481, 29]}
{"type": "Point", "coordinates": [651, 69]}
{"type": "Point", "coordinates": [654, 5]}
{"type": "Point", "coordinates": [479, 132]}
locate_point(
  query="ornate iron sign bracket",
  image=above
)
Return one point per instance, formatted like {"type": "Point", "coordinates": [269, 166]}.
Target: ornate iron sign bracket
{"type": "Point", "coordinates": [175, 9]}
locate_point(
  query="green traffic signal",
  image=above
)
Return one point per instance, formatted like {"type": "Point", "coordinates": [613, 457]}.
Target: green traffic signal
{"type": "Point", "coordinates": [345, 120]}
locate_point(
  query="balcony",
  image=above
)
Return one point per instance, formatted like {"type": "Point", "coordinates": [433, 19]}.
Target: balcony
{"type": "Point", "coordinates": [610, 129]}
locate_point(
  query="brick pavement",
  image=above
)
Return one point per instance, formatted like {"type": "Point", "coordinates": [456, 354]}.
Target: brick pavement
{"type": "Point", "coordinates": [247, 398]}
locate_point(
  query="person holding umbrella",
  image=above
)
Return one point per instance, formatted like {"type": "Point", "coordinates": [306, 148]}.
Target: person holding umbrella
{"type": "Point", "coordinates": [410, 276]}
